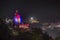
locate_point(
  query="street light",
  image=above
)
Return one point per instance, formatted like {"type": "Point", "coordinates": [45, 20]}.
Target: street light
{"type": "Point", "coordinates": [32, 18]}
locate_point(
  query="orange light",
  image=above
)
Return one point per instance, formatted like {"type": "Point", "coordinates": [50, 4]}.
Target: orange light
{"type": "Point", "coordinates": [18, 20]}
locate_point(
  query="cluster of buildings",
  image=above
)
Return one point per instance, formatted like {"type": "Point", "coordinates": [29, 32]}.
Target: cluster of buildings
{"type": "Point", "coordinates": [17, 23]}
{"type": "Point", "coordinates": [52, 29]}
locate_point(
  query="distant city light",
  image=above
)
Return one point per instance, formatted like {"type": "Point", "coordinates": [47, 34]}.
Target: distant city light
{"type": "Point", "coordinates": [34, 21]}
{"type": "Point", "coordinates": [24, 26]}
{"type": "Point", "coordinates": [31, 18]}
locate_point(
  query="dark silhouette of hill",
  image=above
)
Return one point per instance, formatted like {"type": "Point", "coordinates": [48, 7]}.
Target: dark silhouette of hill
{"type": "Point", "coordinates": [36, 33]}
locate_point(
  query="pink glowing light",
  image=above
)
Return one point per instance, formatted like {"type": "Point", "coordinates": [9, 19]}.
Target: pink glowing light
{"type": "Point", "coordinates": [17, 16]}
{"type": "Point", "coordinates": [24, 26]}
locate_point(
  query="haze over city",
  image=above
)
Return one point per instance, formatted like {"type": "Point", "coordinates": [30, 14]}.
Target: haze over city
{"type": "Point", "coordinates": [30, 20]}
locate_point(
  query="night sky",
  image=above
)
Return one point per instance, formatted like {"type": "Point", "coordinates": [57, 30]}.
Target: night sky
{"type": "Point", "coordinates": [44, 10]}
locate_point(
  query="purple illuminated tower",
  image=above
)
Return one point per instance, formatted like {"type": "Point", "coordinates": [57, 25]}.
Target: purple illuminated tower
{"type": "Point", "coordinates": [17, 18]}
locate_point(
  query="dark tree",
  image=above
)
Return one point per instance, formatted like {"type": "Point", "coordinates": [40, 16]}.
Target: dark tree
{"type": "Point", "coordinates": [57, 38]}
{"type": "Point", "coordinates": [3, 30]}
{"type": "Point", "coordinates": [37, 34]}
